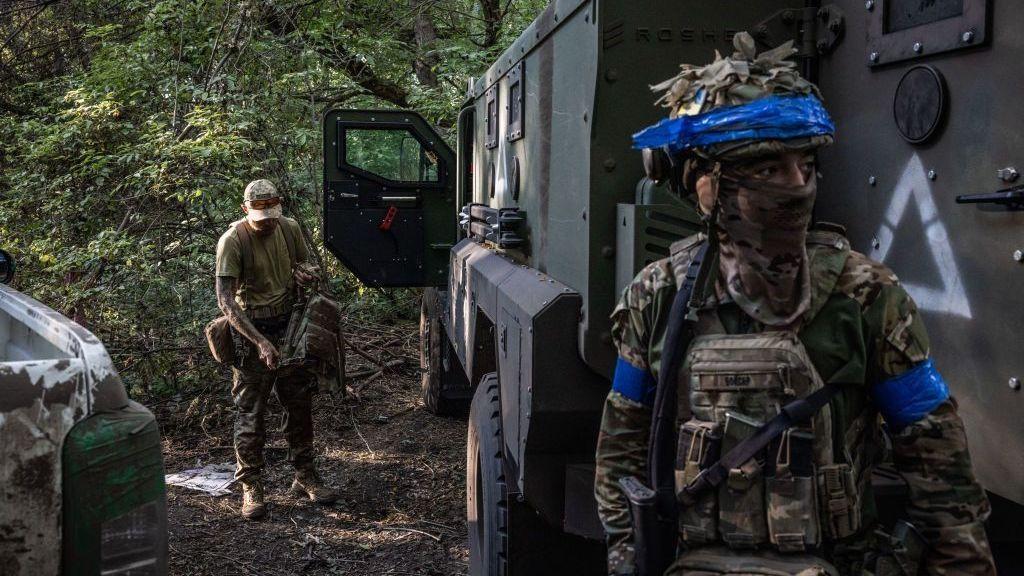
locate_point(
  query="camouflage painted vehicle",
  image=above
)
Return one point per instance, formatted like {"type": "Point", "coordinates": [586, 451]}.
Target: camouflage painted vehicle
{"type": "Point", "coordinates": [527, 233]}
{"type": "Point", "coordinates": [81, 472]}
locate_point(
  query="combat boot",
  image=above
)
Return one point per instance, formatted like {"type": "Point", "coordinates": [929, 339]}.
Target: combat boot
{"type": "Point", "coordinates": [253, 507]}
{"type": "Point", "coordinates": [310, 485]}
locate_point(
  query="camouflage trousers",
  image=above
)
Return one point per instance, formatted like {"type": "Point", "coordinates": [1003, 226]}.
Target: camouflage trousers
{"type": "Point", "coordinates": [252, 383]}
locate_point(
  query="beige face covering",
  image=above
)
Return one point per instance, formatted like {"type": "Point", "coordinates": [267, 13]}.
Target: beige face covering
{"type": "Point", "coordinates": [762, 229]}
{"type": "Point", "coordinates": [255, 215]}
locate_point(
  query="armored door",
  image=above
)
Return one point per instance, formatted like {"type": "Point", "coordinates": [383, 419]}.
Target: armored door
{"type": "Point", "coordinates": [925, 94]}
{"type": "Point", "coordinates": [389, 193]}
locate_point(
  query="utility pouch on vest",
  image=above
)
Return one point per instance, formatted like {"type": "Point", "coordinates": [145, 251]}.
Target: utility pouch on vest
{"type": "Point", "coordinates": [700, 445]}
{"type": "Point", "coordinates": [840, 500]}
{"type": "Point", "coordinates": [899, 553]}
{"type": "Point", "coordinates": [218, 338]}
{"type": "Point", "coordinates": [741, 517]}
{"type": "Point", "coordinates": [793, 524]}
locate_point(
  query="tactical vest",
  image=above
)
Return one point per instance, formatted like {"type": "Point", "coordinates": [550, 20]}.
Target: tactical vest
{"type": "Point", "coordinates": [805, 488]}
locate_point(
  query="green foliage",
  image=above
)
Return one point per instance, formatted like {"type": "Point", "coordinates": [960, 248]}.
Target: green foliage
{"type": "Point", "coordinates": [128, 130]}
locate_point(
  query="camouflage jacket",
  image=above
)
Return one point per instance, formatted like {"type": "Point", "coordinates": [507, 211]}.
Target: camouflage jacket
{"type": "Point", "coordinates": [888, 338]}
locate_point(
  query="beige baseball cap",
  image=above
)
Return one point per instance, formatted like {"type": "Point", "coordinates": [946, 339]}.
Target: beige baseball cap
{"type": "Point", "coordinates": [261, 189]}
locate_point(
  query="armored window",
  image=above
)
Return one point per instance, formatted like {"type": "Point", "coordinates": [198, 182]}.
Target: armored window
{"type": "Point", "coordinates": [904, 14]}
{"type": "Point", "coordinates": [515, 102]}
{"type": "Point", "coordinates": [395, 154]}
{"type": "Point", "coordinates": [491, 120]}
{"type": "Point", "coordinates": [900, 30]}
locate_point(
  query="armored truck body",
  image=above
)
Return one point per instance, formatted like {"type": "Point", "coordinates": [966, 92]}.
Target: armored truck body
{"type": "Point", "coordinates": [527, 233]}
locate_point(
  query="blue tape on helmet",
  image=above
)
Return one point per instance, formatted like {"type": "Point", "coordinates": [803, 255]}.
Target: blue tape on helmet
{"type": "Point", "coordinates": [907, 398]}
{"type": "Point", "coordinates": [634, 383]}
{"type": "Point", "coordinates": [769, 118]}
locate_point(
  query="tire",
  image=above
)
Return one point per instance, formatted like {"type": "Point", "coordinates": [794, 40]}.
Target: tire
{"type": "Point", "coordinates": [486, 490]}
{"type": "Point", "coordinates": [506, 536]}
{"type": "Point", "coordinates": [443, 386]}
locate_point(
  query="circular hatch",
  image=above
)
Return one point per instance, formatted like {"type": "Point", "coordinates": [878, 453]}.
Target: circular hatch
{"type": "Point", "coordinates": [920, 104]}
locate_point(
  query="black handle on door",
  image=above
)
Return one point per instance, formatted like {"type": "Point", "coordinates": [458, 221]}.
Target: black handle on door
{"type": "Point", "coordinates": [1010, 198]}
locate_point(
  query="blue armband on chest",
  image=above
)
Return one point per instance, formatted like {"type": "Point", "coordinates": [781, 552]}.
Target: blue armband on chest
{"type": "Point", "coordinates": [634, 383]}
{"type": "Point", "coordinates": [907, 398]}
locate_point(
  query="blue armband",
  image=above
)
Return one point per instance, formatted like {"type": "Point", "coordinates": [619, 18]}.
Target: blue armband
{"type": "Point", "coordinates": [634, 383]}
{"type": "Point", "coordinates": [907, 398]}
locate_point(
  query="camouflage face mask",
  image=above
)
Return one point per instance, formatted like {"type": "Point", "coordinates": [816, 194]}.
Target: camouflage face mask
{"type": "Point", "coordinates": [763, 259]}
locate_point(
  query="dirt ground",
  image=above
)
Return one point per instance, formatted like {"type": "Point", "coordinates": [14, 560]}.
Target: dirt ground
{"type": "Point", "coordinates": [399, 470]}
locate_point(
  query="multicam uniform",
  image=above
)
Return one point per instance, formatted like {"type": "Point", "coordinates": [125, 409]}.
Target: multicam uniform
{"type": "Point", "coordinates": [862, 330]}
{"type": "Point", "coordinates": [266, 294]}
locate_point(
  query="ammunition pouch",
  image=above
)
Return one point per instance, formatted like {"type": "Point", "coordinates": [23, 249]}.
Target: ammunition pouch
{"type": "Point", "coordinates": [742, 518]}
{"type": "Point", "coordinates": [218, 338]}
{"type": "Point", "coordinates": [700, 445]}
{"type": "Point", "coordinates": [790, 492]}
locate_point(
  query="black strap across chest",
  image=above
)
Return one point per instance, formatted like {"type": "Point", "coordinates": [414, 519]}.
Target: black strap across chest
{"type": "Point", "coordinates": [678, 334]}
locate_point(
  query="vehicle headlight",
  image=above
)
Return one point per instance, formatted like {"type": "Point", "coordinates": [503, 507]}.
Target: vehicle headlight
{"type": "Point", "coordinates": [129, 544]}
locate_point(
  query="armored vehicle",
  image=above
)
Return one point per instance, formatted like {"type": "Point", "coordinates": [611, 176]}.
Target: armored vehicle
{"type": "Point", "coordinates": [81, 472]}
{"type": "Point", "coordinates": [527, 233]}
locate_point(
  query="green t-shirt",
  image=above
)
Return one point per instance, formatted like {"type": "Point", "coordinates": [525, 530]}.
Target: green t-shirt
{"type": "Point", "coordinates": [267, 289]}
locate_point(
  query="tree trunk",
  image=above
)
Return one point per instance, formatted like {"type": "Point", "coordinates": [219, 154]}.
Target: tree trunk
{"type": "Point", "coordinates": [426, 36]}
{"type": "Point", "coordinates": [492, 21]}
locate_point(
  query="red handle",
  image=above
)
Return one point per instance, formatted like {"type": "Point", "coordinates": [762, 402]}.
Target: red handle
{"type": "Point", "coordinates": [385, 224]}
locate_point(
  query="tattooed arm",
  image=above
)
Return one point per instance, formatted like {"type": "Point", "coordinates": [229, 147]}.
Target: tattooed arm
{"type": "Point", "coordinates": [240, 322]}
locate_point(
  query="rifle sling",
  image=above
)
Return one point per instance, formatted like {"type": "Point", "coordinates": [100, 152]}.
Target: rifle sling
{"type": "Point", "coordinates": [678, 333]}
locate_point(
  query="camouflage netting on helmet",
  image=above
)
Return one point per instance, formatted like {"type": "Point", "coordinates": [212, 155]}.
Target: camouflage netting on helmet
{"type": "Point", "coordinates": [739, 79]}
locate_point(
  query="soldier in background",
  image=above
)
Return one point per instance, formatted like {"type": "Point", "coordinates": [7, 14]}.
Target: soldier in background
{"type": "Point", "coordinates": [257, 277]}
{"type": "Point", "coordinates": [780, 293]}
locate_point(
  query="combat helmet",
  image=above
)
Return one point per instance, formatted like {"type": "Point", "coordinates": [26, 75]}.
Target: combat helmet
{"type": "Point", "coordinates": [737, 107]}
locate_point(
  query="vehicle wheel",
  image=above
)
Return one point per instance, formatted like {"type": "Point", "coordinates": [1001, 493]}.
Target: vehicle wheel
{"type": "Point", "coordinates": [440, 383]}
{"type": "Point", "coordinates": [486, 491]}
{"type": "Point", "coordinates": [506, 536]}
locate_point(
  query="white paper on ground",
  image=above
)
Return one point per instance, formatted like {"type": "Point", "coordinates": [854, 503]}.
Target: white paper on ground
{"type": "Point", "coordinates": [214, 479]}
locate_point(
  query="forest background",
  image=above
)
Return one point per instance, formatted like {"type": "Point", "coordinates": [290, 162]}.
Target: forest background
{"type": "Point", "coordinates": [129, 128]}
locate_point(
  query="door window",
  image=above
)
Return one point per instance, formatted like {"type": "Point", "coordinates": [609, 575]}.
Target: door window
{"type": "Point", "coordinates": [392, 154]}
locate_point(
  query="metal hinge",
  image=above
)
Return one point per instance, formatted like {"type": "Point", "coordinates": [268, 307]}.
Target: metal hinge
{"type": "Point", "coordinates": [499, 226]}
{"type": "Point", "coordinates": [814, 31]}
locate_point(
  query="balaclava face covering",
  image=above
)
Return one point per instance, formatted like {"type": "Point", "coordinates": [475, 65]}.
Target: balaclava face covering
{"type": "Point", "coordinates": [761, 229]}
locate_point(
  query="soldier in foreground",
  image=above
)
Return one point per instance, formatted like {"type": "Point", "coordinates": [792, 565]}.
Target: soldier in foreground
{"type": "Point", "coordinates": [787, 329]}
{"type": "Point", "coordinates": [258, 271]}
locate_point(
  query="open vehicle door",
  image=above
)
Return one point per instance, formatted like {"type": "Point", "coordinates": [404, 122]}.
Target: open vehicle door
{"type": "Point", "coordinates": [389, 197]}
{"type": "Point", "coordinates": [929, 128]}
